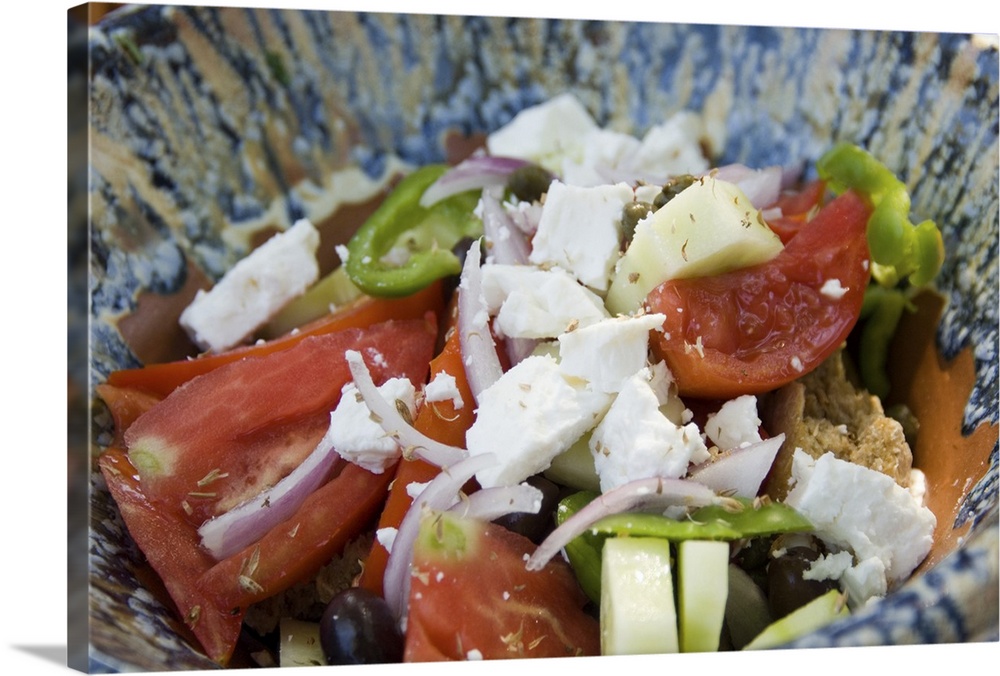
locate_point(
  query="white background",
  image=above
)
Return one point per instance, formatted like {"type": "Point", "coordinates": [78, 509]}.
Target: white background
{"type": "Point", "coordinates": [33, 170]}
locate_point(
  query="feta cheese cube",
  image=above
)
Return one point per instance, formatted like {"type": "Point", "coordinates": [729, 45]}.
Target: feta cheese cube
{"type": "Point", "coordinates": [672, 147]}
{"type": "Point", "coordinates": [605, 153]}
{"type": "Point", "coordinates": [545, 134]}
{"type": "Point", "coordinates": [529, 416]}
{"type": "Point", "coordinates": [635, 440]}
{"type": "Point", "coordinates": [856, 508]}
{"type": "Point", "coordinates": [608, 352]}
{"type": "Point", "coordinates": [734, 425]}
{"type": "Point", "coordinates": [581, 230]}
{"type": "Point", "coordinates": [254, 290]}
{"type": "Point", "coordinates": [357, 437]}
{"type": "Point", "coordinates": [531, 302]}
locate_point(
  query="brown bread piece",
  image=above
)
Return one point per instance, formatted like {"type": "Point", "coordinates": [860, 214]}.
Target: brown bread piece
{"type": "Point", "coordinates": [825, 412]}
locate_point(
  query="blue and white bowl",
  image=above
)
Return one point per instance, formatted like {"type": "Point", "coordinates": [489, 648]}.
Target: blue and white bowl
{"type": "Point", "coordinates": [211, 126]}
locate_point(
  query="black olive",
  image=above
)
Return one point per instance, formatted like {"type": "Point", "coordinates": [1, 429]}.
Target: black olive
{"type": "Point", "coordinates": [535, 526]}
{"type": "Point", "coordinates": [787, 588]}
{"type": "Point", "coordinates": [358, 627]}
{"type": "Point", "coordinates": [672, 188]}
{"type": "Point", "coordinates": [529, 183]}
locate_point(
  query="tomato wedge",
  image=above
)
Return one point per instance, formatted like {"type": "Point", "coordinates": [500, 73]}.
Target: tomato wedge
{"type": "Point", "coordinates": [752, 330]}
{"type": "Point", "coordinates": [794, 209]}
{"type": "Point", "coordinates": [225, 436]}
{"type": "Point", "coordinates": [162, 379]}
{"type": "Point", "coordinates": [471, 597]}
{"type": "Point", "coordinates": [245, 420]}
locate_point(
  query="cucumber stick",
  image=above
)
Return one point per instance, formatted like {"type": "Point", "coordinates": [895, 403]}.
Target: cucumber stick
{"type": "Point", "coordinates": [806, 619]}
{"type": "Point", "coordinates": [638, 615]}
{"type": "Point", "coordinates": [703, 585]}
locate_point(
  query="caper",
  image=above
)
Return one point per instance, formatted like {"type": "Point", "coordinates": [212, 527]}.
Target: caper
{"type": "Point", "coordinates": [631, 215]}
{"type": "Point", "coordinates": [672, 188]}
{"type": "Point", "coordinates": [529, 182]}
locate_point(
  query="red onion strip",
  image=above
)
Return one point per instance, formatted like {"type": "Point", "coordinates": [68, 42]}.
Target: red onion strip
{"type": "Point", "coordinates": [505, 242]}
{"type": "Point", "coordinates": [488, 504]}
{"type": "Point", "coordinates": [741, 471]}
{"type": "Point", "coordinates": [507, 245]}
{"type": "Point", "coordinates": [247, 523]}
{"type": "Point", "coordinates": [411, 439]}
{"type": "Point", "coordinates": [440, 493]}
{"type": "Point", "coordinates": [479, 352]}
{"type": "Point", "coordinates": [473, 173]}
{"type": "Point", "coordinates": [652, 492]}
{"type": "Point", "coordinates": [761, 186]}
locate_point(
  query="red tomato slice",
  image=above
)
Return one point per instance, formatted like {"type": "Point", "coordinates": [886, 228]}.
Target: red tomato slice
{"type": "Point", "coordinates": [225, 436]}
{"type": "Point", "coordinates": [755, 329]}
{"type": "Point", "coordinates": [796, 207]}
{"type": "Point", "coordinates": [221, 420]}
{"type": "Point", "coordinates": [471, 597]}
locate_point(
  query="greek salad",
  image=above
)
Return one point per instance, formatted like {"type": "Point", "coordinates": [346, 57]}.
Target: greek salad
{"type": "Point", "coordinates": [580, 393]}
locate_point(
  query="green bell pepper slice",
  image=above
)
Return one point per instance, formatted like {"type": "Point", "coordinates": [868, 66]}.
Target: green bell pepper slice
{"type": "Point", "coordinates": [900, 250]}
{"type": "Point", "coordinates": [714, 522]}
{"type": "Point", "coordinates": [427, 233]}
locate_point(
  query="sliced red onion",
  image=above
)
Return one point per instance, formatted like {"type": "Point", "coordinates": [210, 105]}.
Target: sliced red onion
{"type": "Point", "coordinates": [525, 217]}
{"type": "Point", "coordinates": [654, 492]}
{"type": "Point", "coordinates": [440, 494]}
{"type": "Point", "coordinates": [474, 173]}
{"type": "Point", "coordinates": [741, 471]}
{"type": "Point", "coordinates": [247, 523]}
{"type": "Point", "coordinates": [412, 440]}
{"type": "Point", "coordinates": [479, 352]}
{"type": "Point", "coordinates": [506, 243]}
{"type": "Point", "coordinates": [761, 186]}
{"type": "Point", "coordinates": [488, 504]}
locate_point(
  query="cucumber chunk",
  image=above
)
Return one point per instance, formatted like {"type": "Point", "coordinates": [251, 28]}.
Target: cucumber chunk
{"type": "Point", "coordinates": [707, 229]}
{"type": "Point", "coordinates": [703, 585]}
{"type": "Point", "coordinates": [299, 645]}
{"type": "Point", "coordinates": [819, 612]}
{"type": "Point", "coordinates": [638, 614]}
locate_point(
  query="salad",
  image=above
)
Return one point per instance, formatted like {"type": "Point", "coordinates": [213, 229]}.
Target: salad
{"type": "Point", "coordinates": [581, 393]}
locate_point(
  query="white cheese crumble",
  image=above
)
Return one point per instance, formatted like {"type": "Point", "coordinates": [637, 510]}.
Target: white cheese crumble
{"type": "Point", "coordinates": [580, 230]}
{"type": "Point", "coordinates": [254, 290]}
{"type": "Point", "coordinates": [832, 289]}
{"type": "Point", "coordinates": [547, 134]}
{"type": "Point", "coordinates": [530, 302]}
{"type": "Point", "coordinates": [527, 417]}
{"type": "Point", "coordinates": [608, 352]}
{"type": "Point", "coordinates": [734, 425]}
{"type": "Point", "coordinates": [386, 537]}
{"type": "Point", "coordinates": [861, 510]}
{"type": "Point", "coordinates": [635, 440]}
{"type": "Point", "coordinates": [360, 439]}
{"type": "Point", "coordinates": [443, 388]}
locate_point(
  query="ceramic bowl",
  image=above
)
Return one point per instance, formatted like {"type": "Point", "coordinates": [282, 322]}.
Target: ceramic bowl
{"type": "Point", "coordinates": [210, 127]}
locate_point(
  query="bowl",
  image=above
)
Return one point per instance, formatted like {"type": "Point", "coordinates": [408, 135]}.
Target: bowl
{"type": "Point", "coordinates": [211, 127]}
